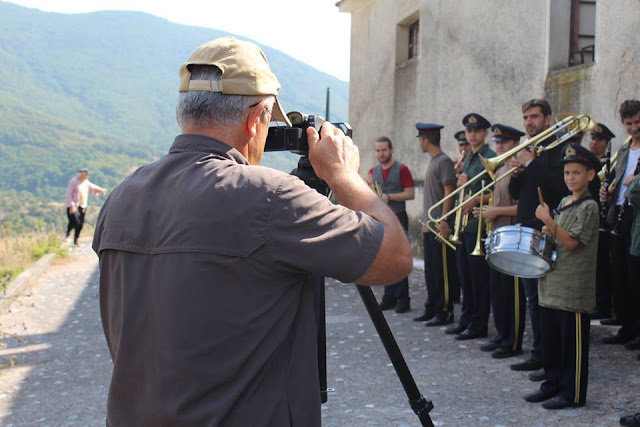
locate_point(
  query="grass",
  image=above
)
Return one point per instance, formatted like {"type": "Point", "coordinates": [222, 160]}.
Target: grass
{"type": "Point", "coordinates": [18, 252]}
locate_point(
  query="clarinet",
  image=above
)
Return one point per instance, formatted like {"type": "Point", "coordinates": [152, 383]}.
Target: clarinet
{"type": "Point", "coordinates": [617, 229]}
{"type": "Point", "coordinates": [605, 184]}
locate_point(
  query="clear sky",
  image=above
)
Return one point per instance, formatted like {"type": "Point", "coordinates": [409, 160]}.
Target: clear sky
{"type": "Point", "coordinates": [312, 31]}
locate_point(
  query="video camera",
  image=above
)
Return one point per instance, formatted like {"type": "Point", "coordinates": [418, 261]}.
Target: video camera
{"type": "Point", "coordinates": [294, 139]}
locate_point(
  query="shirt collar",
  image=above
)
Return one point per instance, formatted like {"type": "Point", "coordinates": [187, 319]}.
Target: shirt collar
{"type": "Point", "coordinates": [204, 144]}
{"type": "Point", "coordinates": [483, 150]}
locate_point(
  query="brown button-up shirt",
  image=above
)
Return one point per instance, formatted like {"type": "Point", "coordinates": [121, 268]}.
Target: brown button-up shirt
{"type": "Point", "coordinates": [204, 296]}
{"type": "Point", "coordinates": [501, 197]}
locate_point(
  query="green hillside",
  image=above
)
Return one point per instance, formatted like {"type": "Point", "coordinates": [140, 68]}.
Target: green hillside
{"type": "Point", "coordinates": [99, 90]}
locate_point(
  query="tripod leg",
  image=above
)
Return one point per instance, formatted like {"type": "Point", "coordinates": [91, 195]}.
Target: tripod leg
{"type": "Point", "coordinates": [419, 404]}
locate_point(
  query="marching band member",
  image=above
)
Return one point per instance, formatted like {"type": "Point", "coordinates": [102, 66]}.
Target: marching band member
{"type": "Point", "coordinates": [507, 296]}
{"type": "Point", "coordinates": [544, 171]}
{"type": "Point", "coordinates": [625, 292]}
{"type": "Point", "coordinates": [475, 304]}
{"type": "Point", "coordinates": [567, 294]}
{"type": "Point", "coordinates": [600, 145]}
{"type": "Point", "coordinates": [439, 260]}
{"type": "Point", "coordinates": [396, 186]}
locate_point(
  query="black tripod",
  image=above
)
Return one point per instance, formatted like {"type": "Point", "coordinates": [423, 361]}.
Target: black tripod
{"type": "Point", "coordinates": [419, 404]}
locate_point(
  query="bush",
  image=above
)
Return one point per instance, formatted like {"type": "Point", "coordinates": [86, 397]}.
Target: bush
{"type": "Point", "coordinates": [46, 244]}
{"type": "Point", "coordinates": [7, 274]}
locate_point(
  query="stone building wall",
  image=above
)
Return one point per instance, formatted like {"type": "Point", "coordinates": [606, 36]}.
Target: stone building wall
{"type": "Point", "coordinates": [486, 57]}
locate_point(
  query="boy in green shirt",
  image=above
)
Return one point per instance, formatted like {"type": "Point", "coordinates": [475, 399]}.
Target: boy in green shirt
{"type": "Point", "coordinates": [567, 294]}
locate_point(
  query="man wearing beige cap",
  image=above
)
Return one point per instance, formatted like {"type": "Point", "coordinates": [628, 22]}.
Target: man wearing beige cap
{"type": "Point", "coordinates": [204, 258]}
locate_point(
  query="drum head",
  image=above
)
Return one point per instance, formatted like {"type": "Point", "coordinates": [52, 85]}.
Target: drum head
{"type": "Point", "coordinates": [517, 263]}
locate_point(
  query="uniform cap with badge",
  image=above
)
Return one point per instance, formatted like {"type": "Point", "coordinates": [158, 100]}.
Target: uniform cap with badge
{"type": "Point", "coordinates": [602, 132]}
{"type": "Point", "coordinates": [461, 137]}
{"type": "Point", "coordinates": [576, 153]}
{"type": "Point", "coordinates": [505, 133]}
{"type": "Point", "coordinates": [475, 121]}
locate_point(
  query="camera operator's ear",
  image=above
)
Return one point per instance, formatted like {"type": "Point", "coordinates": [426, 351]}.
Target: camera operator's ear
{"type": "Point", "coordinates": [253, 119]}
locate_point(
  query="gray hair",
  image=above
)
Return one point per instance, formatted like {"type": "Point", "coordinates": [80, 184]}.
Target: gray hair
{"type": "Point", "coordinates": [200, 109]}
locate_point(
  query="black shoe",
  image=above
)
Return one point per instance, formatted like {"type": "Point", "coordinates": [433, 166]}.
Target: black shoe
{"type": "Point", "coordinates": [441, 320]}
{"type": "Point", "coordinates": [538, 396]}
{"type": "Point", "coordinates": [610, 322]}
{"type": "Point", "coordinates": [455, 329]}
{"type": "Point", "coordinates": [528, 365]}
{"type": "Point", "coordinates": [503, 353]}
{"type": "Point", "coordinates": [470, 335]}
{"type": "Point", "coordinates": [537, 375]}
{"type": "Point", "coordinates": [634, 344]}
{"type": "Point", "coordinates": [630, 420]}
{"type": "Point", "coordinates": [617, 339]}
{"type": "Point", "coordinates": [403, 306]}
{"type": "Point", "coordinates": [560, 402]}
{"type": "Point", "coordinates": [490, 346]}
{"type": "Point", "coordinates": [427, 314]}
{"type": "Point", "coordinates": [387, 304]}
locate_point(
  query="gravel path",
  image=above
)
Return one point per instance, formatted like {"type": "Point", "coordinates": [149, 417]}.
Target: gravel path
{"type": "Point", "coordinates": [56, 367]}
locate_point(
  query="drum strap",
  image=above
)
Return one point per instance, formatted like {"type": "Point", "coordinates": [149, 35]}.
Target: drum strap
{"type": "Point", "coordinates": [582, 199]}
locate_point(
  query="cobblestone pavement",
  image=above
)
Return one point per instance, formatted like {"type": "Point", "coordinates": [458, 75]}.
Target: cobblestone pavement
{"type": "Point", "coordinates": [56, 366]}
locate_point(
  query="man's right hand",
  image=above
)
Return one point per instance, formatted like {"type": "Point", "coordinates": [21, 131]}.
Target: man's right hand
{"type": "Point", "coordinates": [72, 209]}
{"type": "Point", "coordinates": [462, 179]}
{"type": "Point", "coordinates": [332, 154]}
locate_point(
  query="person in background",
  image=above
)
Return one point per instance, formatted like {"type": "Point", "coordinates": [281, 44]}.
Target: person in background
{"type": "Point", "coordinates": [600, 145]}
{"type": "Point", "coordinates": [626, 300]}
{"type": "Point", "coordinates": [439, 259]}
{"type": "Point", "coordinates": [78, 189]}
{"type": "Point", "coordinates": [475, 303]}
{"type": "Point", "coordinates": [395, 184]}
{"type": "Point", "coordinates": [533, 172]}
{"type": "Point", "coordinates": [507, 295]}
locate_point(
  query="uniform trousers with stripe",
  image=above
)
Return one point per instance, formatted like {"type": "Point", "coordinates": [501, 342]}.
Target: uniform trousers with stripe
{"type": "Point", "coordinates": [464, 282]}
{"type": "Point", "coordinates": [508, 304]}
{"type": "Point", "coordinates": [439, 266]}
{"type": "Point", "coordinates": [565, 353]}
{"type": "Point", "coordinates": [479, 275]}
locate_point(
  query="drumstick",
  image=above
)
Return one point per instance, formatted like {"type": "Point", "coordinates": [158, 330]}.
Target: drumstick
{"type": "Point", "coordinates": [540, 196]}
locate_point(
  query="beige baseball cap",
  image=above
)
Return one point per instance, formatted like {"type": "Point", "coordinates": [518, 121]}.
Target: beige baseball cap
{"type": "Point", "coordinates": [245, 71]}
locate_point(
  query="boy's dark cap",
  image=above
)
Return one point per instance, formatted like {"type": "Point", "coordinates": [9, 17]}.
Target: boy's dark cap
{"type": "Point", "coordinates": [475, 121]}
{"type": "Point", "coordinates": [576, 153]}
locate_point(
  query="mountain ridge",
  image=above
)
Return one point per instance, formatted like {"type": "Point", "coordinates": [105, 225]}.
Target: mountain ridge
{"type": "Point", "coordinates": [99, 90]}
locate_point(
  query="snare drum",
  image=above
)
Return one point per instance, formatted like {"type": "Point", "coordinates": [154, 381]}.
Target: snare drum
{"type": "Point", "coordinates": [520, 251]}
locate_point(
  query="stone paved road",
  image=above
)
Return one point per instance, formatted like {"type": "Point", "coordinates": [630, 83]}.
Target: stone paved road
{"type": "Point", "coordinates": [56, 365]}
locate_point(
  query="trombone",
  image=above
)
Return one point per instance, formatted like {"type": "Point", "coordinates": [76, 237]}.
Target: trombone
{"type": "Point", "coordinates": [572, 125]}
{"type": "Point", "coordinates": [477, 250]}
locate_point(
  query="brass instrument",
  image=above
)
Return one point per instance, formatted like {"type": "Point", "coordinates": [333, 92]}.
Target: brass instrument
{"type": "Point", "coordinates": [377, 188]}
{"type": "Point", "coordinates": [455, 238]}
{"type": "Point", "coordinates": [477, 250]}
{"type": "Point", "coordinates": [460, 161]}
{"type": "Point", "coordinates": [572, 125]}
{"type": "Point", "coordinates": [489, 225]}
